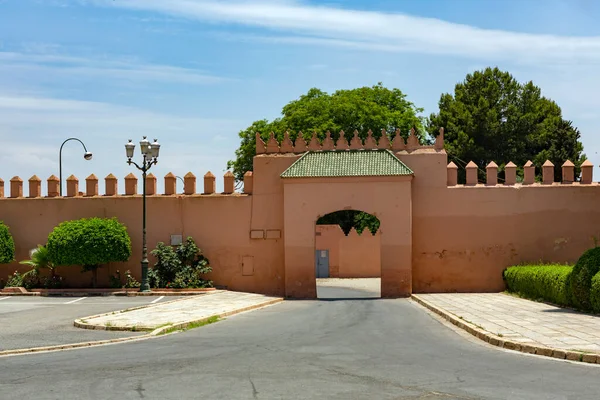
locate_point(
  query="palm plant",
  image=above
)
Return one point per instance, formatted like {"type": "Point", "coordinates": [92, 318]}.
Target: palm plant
{"type": "Point", "coordinates": [39, 260]}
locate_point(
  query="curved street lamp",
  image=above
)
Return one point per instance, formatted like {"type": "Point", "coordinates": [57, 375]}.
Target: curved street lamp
{"type": "Point", "coordinates": [87, 155]}
{"type": "Point", "coordinates": [182, 182]}
{"type": "Point", "coordinates": [150, 157]}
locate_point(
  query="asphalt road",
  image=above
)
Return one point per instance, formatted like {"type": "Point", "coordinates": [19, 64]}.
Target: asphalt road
{"type": "Point", "coordinates": [45, 321]}
{"type": "Point", "coordinates": [350, 349]}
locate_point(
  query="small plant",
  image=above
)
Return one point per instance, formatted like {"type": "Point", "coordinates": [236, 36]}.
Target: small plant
{"type": "Point", "coordinates": [114, 281]}
{"type": "Point", "coordinates": [89, 242]}
{"type": "Point", "coordinates": [15, 280]}
{"type": "Point", "coordinates": [39, 260]}
{"type": "Point", "coordinates": [179, 268]}
{"type": "Point", "coordinates": [7, 245]}
{"type": "Point", "coordinates": [52, 282]}
{"type": "Point", "coordinates": [130, 281]}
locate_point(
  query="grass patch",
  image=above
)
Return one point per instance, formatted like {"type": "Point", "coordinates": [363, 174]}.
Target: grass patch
{"type": "Point", "coordinates": [192, 325]}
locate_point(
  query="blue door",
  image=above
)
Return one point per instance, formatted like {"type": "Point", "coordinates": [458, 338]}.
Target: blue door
{"type": "Point", "coordinates": [322, 263]}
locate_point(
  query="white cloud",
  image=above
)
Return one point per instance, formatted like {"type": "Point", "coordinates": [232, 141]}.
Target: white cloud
{"type": "Point", "coordinates": [33, 128]}
{"type": "Point", "coordinates": [386, 31]}
{"type": "Point", "coordinates": [107, 68]}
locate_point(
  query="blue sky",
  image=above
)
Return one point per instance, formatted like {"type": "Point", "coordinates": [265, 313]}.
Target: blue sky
{"type": "Point", "coordinates": [192, 73]}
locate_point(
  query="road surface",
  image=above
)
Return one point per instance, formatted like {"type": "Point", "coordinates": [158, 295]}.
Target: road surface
{"type": "Point", "coordinates": [346, 349]}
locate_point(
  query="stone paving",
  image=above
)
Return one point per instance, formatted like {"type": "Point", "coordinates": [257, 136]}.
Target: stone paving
{"type": "Point", "coordinates": [523, 321]}
{"type": "Point", "coordinates": [182, 311]}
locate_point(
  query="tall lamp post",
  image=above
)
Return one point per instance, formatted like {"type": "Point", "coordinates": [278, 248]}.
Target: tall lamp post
{"type": "Point", "coordinates": [87, 155]}
{"type": "Point", "coordinates": [150, 157]}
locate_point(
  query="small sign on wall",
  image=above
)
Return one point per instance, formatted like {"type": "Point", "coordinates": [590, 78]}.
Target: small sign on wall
{"type": "Point", "coordinates": [323, 253]}
{"type": "Point", "coordinates": [176, 240]}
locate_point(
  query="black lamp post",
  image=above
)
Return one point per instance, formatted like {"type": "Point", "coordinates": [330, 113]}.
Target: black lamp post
{"type": "Point", "coordinates": [150, 157]}
{"type": "Point", "coordinates": [87, 155]}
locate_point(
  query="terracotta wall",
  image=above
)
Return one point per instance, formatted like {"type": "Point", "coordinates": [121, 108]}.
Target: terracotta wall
{"type": "Point", "coordinates": [433, 237]}
{"type": "Point", "coordinates": [220, 225]}
{"type": "Point", "coordinates": [388, 198]}
{"type": "Point", "coordinates": [352, 256]}
{"type": "Point", "coordinates": [464, 236]}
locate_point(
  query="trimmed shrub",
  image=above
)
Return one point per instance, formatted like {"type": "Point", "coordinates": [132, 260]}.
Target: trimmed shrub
{"type": "Point", "coordinates": [7, 245]}
{"type": "Point", "coordinates": [584, 270]}
{"type": "Point", "coordinates": [89, 242]}
{"type": "Point", "coordinates": [595, 293]}
{"type": "Point", "coordinates": [541, 282]}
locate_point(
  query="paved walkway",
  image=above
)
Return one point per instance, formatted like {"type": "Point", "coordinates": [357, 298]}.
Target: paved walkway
{"type": "Point", "coordinates": [523, 321]}
{"type": "Point", "coordinates": [335, 288]}
{"type": "Point", "coordinates": [181, 311]}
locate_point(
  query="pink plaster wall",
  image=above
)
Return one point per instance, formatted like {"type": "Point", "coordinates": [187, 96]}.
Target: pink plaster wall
{"type": "Point", "coordinates": [388, 198]}
{"type": "Point", "coordinates": [433, 237]}
{"type": "Point", "coordinates": [352, 256]}
{"type": "Point", "coordinates": [219, 224]}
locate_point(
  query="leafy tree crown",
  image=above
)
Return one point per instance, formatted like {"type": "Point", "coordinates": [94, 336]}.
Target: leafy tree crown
{"type": "Point", "coordinates": [493, 117]}
{"type": "Point", "coordinates": [89, 242]}
{"type": "Point", "coordinates": [362, 109]}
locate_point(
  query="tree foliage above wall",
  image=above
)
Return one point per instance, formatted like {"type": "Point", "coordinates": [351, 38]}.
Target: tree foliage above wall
{"type": "Point", "coordinates": [493, 117]}
{"type": "Point", "coordinates": [360, 109]}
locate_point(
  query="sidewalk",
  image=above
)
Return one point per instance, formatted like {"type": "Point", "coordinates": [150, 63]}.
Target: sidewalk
{"type": "Point", "coordinates": [520, 324]}
{"type": "Point", "coordinates": [178, 313]}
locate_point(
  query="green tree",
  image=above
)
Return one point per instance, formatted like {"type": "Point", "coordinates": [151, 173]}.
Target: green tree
{"type": "Point", "coordinates": [348, 219]}
{"type": "Point", "coordinates": [89, 242]}
{"type": "Point", "coordinates": [493, 117]}
{"type": "Point", "coordinates": [7, 245]}
{"type": "Point", "coordinates": [360, 109]}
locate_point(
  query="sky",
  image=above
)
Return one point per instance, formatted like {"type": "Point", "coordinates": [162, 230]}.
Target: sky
{"type": "Point", "coordinates": [193, 73]}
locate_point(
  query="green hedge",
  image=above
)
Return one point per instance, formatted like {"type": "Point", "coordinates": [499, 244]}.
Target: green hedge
{"type": "Point", "coordinates": [541, 282]}
{"type": "Point", "coordinates": [584, 270]}
{"type": "Point", "coordinates": [7, 245]}
{"type": "Point", "coordinates": [595, 293]}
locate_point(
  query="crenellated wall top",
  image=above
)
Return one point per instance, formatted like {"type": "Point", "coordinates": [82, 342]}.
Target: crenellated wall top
{"type": "Point", "coordinates": [131, 186]}
{"type": "Point", "coordinates": [528, 178]}
{"type": "Point", "coordinates": [300, 145]}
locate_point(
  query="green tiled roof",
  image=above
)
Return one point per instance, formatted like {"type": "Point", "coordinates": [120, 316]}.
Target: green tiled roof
{"type": "Point", "coordinates": [321, 164]}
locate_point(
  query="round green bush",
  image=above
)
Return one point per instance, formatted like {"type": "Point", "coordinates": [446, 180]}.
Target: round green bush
{"type": "Point", "coordinates": [89, 242]}
{"type": "Point", "coordinates": [587, 266]}
{"type": "Point", "coordinates": [7, 245]}
{"type": "Point", "coordinates": [595, 293]}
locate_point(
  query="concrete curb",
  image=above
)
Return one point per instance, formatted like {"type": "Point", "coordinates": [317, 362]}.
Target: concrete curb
{"type": "Point", "coordinates": [80, 323]}
{"type": "Point", "coordinates": [183, 325]}
{"type": "Point", "coordinates": [107, 292]}
{"type": "Point", "coordinates": [155, 333]}
{"type": "Point", "coordinates": [508, 344]}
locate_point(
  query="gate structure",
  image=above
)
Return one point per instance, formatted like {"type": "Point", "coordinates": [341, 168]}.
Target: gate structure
{"type": "Point", "coordinates": [320, 182]}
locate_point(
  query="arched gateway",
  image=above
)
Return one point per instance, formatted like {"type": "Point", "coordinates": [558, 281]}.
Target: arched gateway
{"type": "Point", "coordinates": [314, 179]}
{"type": "Point", "coordinates": [320, 182]}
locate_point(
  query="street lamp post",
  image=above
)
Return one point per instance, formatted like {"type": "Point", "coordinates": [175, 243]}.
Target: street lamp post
{"type": "Point", "coordinates": [182, 181]}
{"type": "Point", "coordinates": [87, 155]}
{"type": "Point", "coordinates": [150, 157]}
